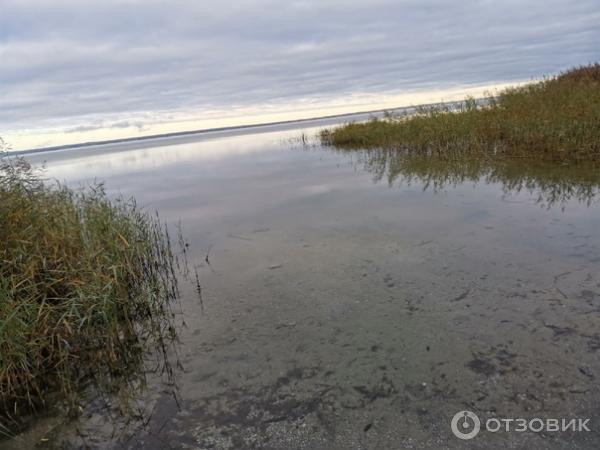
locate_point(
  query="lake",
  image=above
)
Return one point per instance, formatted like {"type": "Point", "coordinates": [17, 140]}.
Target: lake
{"type": "Point", "coordinates": [359, 299]}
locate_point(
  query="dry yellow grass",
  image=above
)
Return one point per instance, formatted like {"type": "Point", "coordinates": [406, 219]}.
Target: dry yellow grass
{"type": "Point", "coordinates": [557, 119]}
{"type": "Point", "coordinates": [86, 286]}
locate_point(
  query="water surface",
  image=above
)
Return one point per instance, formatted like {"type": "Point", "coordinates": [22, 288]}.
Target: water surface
{"type": "Point", "coordinates": [358, 300]}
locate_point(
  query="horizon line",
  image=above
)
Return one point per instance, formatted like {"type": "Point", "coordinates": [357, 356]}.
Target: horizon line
{"type": "Point", "coordinates": [226, 128]}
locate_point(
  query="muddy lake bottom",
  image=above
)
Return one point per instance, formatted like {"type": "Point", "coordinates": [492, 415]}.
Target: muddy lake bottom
{"type": "Point", "coordinates": [339, 312]}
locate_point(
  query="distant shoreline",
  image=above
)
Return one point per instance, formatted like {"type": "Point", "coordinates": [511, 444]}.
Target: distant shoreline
{"type": "Point", "coordinates": [219, 129]}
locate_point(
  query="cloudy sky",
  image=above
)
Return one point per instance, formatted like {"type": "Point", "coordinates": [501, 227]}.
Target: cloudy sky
{"type": "Point", "coordinates": [77, 70]}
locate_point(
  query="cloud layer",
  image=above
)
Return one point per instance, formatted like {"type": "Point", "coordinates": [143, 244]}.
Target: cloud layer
{"type": "Point", "coordinates": [75, 61]}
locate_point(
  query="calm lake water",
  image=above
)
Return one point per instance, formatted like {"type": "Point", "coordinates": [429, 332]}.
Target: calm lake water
{"type": "Point", "coordinates": [358, 299]}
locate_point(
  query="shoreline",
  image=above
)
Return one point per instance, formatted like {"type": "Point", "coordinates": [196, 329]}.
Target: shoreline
{"type": "Point", "coordinates": [250, 127]}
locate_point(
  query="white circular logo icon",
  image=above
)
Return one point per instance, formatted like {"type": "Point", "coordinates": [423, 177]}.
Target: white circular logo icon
{"type": "Point", "coordinates": [465, 425]}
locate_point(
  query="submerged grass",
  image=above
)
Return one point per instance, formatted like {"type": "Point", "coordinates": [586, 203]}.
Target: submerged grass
{"type": "Point", "coordinates": [557, 119]}
{"type": "Point", "coordinates": [86, 286]}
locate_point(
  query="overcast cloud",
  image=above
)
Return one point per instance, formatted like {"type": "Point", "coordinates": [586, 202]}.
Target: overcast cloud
{"type": "Point", "coordinates": [64, 60]}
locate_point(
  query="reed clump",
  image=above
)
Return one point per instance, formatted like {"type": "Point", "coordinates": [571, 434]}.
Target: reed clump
{"type": "Point", "coordinates": [86, 287]}
{"type": "Point", "coordinates": [557, 119]}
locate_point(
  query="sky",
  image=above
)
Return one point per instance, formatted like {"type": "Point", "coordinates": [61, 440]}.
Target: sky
{"type": "Point", "coordinates": [79, 70]}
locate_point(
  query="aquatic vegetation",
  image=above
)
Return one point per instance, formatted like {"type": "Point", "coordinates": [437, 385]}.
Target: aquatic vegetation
{"type": "Point", "coordinates": [557, 119]}
{"type": "Point", "coordinates": [86, 292]}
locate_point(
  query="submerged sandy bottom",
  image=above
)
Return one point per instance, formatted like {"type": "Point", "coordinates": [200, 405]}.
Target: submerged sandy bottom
{"type": "Point", "coordinates": [342, 313]}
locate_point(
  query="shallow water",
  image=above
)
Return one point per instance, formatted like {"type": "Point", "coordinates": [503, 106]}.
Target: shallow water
{"type": "Point", "coordinates": [355, 302]}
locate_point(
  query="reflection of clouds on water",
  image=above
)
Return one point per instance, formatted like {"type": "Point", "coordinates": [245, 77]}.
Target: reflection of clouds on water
{"type": "Point", "coordinates": [237, 173]}
{"type": "Point", "coordinates": [210, 178]}
{"type": "Point", "coordinates": [109, 160]}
